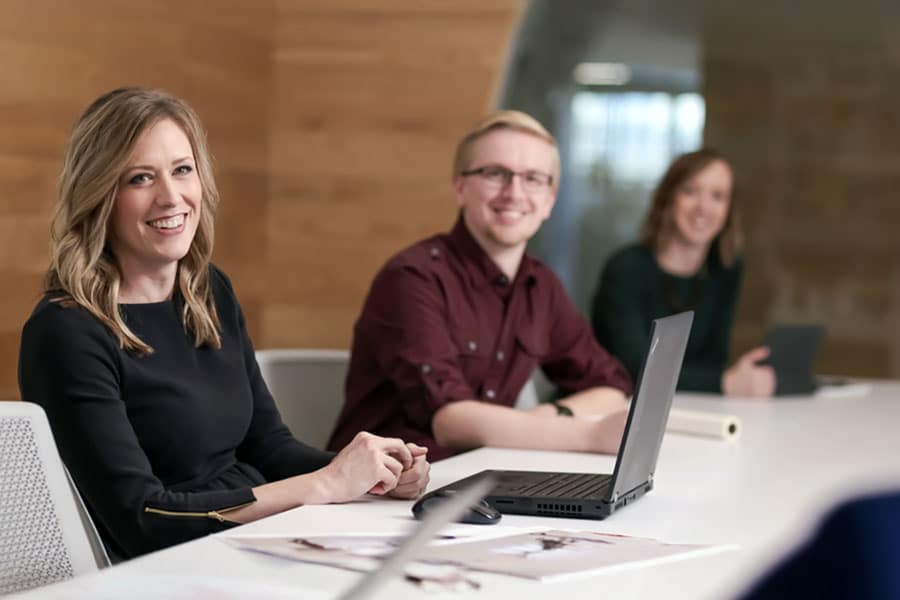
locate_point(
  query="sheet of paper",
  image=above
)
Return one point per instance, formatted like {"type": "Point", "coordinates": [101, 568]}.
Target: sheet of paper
{"type": "Point", "coordinates": [353, 552]}
{"type": "Point", "coordinates": [538, 554]}
{"type": "Point", "coordinates": [553, 554]}
{"type": "Point", "coordinates": [844, 390]}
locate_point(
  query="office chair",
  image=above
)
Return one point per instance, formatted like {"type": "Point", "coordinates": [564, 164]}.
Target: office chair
{"type": "Point", "coordinates": [536, 390]}
{"type": "Point", "coordinates": [308, 387]}
{"type": "Point", "coordinates": [46, 535]}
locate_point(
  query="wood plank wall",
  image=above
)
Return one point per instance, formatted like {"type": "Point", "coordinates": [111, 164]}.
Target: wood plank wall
{"type": "Point", "coordinates": [332, 123]}
{"type": "Point", "coordinates": [811, 130]}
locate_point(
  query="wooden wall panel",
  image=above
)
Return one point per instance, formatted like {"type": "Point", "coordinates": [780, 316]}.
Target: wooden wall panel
{"type": "Point", "coordinates": [812, 133]}
{"type": "Point", "coordinates": [369, 101]}
{"type": "Point", "coordinates": [59, 55]}
{"type": "Point", "coordinates": [331, 122]}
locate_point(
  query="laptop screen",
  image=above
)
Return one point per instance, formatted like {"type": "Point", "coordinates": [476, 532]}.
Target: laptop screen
{"type": "Point", "coordinates": [652, 400]}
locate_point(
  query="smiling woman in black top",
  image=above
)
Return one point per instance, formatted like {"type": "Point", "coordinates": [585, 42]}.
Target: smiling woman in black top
{"type": "Point", "coordinates": [140, 355]}
{"type": "Point", "coordinates": [688, 259]}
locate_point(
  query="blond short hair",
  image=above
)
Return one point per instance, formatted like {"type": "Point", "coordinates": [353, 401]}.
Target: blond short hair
{"type": "Point", "coordinates": [83, 270]}
{"type": "Point", "coordinates": [504, 119]}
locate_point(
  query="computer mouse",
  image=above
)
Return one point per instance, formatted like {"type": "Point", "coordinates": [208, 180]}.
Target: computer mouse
{"type": "Point", "coordinates": [480, 513]}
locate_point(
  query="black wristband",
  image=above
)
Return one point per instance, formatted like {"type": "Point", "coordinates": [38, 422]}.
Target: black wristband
{"type": "Point", "coordinates": [562, 410]}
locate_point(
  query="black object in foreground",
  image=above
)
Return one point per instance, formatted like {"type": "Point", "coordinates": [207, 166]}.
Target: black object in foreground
{"type": "Point", "coordinates": [480, 513]}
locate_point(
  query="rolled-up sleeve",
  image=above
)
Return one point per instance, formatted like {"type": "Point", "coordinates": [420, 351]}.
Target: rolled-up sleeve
{"type": "Point", "coordinates": [405, 327]}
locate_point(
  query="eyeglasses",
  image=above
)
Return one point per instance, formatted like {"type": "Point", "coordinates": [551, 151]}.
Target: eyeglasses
{"type": "Point", "coordinates": [499, 177]}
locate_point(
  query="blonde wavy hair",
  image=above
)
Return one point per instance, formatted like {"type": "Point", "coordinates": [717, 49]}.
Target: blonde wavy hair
{"type": "Point", "coordinates": [83, 271]}
{"type": "Point", "coordinates": [505, 119]}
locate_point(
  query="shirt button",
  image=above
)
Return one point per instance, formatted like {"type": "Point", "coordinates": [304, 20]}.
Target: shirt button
{"type": "Point", "coordinates": [490, 394]}
{"type": "Point", "coordinates": [500, 356]}
{"type": "Point", "coordinates": [503, 280]}
{"type": "Point", "coordinates": [426, 369]}
{"type": "Point", "coordinates": [435, 252]}
{"type": "Point", "coordinates": [473, 346]}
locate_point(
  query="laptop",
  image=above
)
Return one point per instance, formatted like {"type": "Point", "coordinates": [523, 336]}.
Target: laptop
{"type": "Point", "coordinates": [793, 350]}
{"type": "Point", "coordinates": [447, 512]}
{"type": "Point", "coordinates": [596, 496]}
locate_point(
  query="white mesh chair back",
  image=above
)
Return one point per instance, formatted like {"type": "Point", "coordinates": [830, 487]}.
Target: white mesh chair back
{"type": "Point", "coordinates": [43, 538]}
{"type": "Point", "coordinates": [308, 386]}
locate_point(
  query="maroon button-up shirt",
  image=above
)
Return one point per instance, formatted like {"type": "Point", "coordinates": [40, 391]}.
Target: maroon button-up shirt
{"type": "Point", "coordinates": [442, 323]}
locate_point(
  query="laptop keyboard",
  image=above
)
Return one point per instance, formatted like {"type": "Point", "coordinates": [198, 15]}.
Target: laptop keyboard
{"type": "Point", "coordinates": [565, 485]}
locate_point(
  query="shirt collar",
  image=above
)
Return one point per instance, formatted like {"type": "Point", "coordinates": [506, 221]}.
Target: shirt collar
{"type": "Point", "coordinates": [481, 269]}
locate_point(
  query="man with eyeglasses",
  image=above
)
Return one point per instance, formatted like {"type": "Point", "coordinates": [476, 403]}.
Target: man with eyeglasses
{"type": "Point", "coordinates": [454, 326]}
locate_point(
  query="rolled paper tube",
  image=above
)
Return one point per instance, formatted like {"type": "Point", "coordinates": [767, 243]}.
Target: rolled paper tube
{"type": "Point", "coordinates": [725, 427]}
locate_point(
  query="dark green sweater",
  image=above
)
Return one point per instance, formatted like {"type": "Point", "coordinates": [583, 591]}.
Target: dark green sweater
{"type": "Point", "coordinates": [633, 291]}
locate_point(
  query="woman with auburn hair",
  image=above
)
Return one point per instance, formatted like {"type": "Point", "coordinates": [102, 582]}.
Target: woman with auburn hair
{"type": "Point", "coordinates": [140, 355]}
{"type": "Point", "coordinates": [688, 259]}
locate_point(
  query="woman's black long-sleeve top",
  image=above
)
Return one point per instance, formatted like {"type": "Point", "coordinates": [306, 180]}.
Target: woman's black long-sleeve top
{"type": "Point", "coordinates": [160, 446]}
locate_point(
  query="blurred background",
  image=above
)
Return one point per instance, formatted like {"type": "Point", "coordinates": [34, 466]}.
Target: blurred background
{"type": "Point", "coordinates": [333, 125]}
{"type": "Point", "coordinates": [802, 97]}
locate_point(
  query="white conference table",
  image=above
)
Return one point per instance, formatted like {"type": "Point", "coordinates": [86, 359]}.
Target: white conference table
{"type": "Point", "coordinates": [762, 493]}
